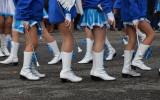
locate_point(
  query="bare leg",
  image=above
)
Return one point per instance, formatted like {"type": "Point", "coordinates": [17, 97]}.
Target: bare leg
{"type": "Point", "coordinates": [45, 33]}
{"type": "Point", "coordinates": [34, 38]}
{"type": "Point", "coordinates": [150, 34]}
{"type": "Point", "coordinates": [67, 44]}
{"type": "Point", "coordinates": [132, 37]}
{"type": "Point", "coordinates": [8, 25]}
{"type": "Point", "coordinates": [2, 20]}
{"type": "Point", "coordinates": [99, 38]}
{"type": "Point", "coordinates": [89, 33]}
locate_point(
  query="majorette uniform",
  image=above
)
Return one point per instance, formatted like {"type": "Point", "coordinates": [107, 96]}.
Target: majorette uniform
{"type": "Point", "coordinates": [32, 11]}
{"type": "Point", "coordinates": [89, 44]}
{"type": "Point", "coordinates": [134, 10]}
{"type": "Point", "coordinates": [56, 16]}
{"type": "Point", "coordinates": [93, 16]}
{"type": "Point", "coordinates": [7, 8]}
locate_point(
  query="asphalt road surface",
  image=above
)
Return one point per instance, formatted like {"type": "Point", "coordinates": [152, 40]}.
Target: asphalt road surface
{"type": "Point", "coordinates": [147, 87]}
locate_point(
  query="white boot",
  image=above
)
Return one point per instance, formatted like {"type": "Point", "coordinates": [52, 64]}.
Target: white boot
{"type": "Point", "coordinates": [98, 72]}
{"type": "Point", "coordinates": [33, 68]}
{"type": "Point", "coordinates": [127, 71]}
{"type": "Point", "coordinates": [141, 36]}
{"type": "Point", "coordinates": [57, 54]}
{"type": "Point", "coordinates": [4, 45]}
{"type": "Point", "coordinates": [13, 58]}
{"type": "Point", "coordinates": [1, 54]}
{"type": "Point", "coordinates": [112, 52]}
{"type": "Point", "coordinates": [26, 72]}
{"type": "Point", "coordinates": [88, 56]}
{"type": "Point", "coordinates": [137, 62]}
{"type": "Point", "coordinates": [66, 72]}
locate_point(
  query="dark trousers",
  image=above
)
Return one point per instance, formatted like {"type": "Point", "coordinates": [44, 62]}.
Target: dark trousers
{"type": "Point", "coordinates": [150, 11]}
{"type": "Point", "coordinates": [156, 20]}
{"type": "Point", "coordinates": [119, 23]}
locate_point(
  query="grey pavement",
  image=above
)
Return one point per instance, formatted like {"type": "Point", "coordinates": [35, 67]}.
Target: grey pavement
{"type": "Point", "coordinates": [147, 87]}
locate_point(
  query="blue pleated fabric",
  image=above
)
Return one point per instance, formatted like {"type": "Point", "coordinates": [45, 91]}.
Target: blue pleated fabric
{"type": "Point", "coordinates": [45, 15]}
{"type": "Point", "coordinates": [20, 28]}
{"type": "Point", "coordinates": [92, 17]}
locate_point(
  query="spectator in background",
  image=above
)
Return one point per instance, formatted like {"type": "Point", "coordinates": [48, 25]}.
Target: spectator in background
{"type": "Point", "coordinates": [117, 13]}
{"type": "Point", "coordinates": [157, 14]}
{"type": "Point", "coordinates": [150, 11]}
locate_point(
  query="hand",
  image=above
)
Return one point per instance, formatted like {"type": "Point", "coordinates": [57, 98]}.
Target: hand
{"type": "Point", "coordinates": [136, 23]}
{"type": "Point", "coordinates": [68, 24]}
{"type": "Point", "coordinates": [155, 11]}
{"type": "Point", "coordinates": [112, 23]}
{"type": "Point", "coordinates": [26, 25]}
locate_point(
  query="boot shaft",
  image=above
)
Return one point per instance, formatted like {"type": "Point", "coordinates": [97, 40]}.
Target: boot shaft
{"type": "Point", "coordinates": [27, 60]}
{"type": "Point", "coordinates": [141, 51]}
{"type": "Point", "coordinates": [66, 61]}
{"type": "Point", "coordinates": [54, 48]}
{"type": "Point", "coordinates": [89, 46]}
{"type": "Point", "coordinates": [98, 60]}
{"type": "Point", "coordinates": [14, 49]}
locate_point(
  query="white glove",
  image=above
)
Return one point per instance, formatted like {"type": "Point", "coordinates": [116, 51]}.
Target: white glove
{"type": "Point", "coordinates": [110, 15]}
{"type": "Point", "coordinates": [135, 21]}
{"type": "Point", "coordinates": [68, 17]}
{"type": "Point", "coordinates": [26, 22]}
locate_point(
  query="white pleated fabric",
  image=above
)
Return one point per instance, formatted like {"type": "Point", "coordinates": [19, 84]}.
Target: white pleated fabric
{"type": "Point", "coordinates": [7, 7]}
{"type": "Point", "coordinates": [67, 4]}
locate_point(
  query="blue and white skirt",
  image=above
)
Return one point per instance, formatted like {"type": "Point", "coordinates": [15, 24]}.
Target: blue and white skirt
{"type": "Point", "coordinates": [45, 15]}
{"type": "Point", "coordinates": [7, 8]}
{"type": "Point", "coordinates": [131, 24]}
{"type": "Point", "coordinates": [20, 28]}
{"type": "Point", "coordinates": [92, 17]}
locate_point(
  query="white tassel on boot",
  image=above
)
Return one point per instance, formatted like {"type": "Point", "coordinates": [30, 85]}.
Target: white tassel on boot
{"type": "Point", "coordinates": [137, 62]}
{"type": "Point", "coordinates": [112, 51]}
{"type": "Point", "coordinates": [127, 71]}
{"type": "Point", "coordinates": [4, 45]}
{"type": "Point", "coordinates": [88, 56]}
{"type": "Point", "coordinates": [66, 72]}
{"type": "Point", "coordinates": [98, 73]}
{"type": "Point", "coordinates": [57, 54]}
{"type": "Point", "coordinates": [26, 72]}
{"type": "Point", "coordinates": [13, 58]}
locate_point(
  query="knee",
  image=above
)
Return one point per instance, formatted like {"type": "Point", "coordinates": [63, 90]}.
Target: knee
{"type": "Point", "coordinates": [152, 35]}
{"type": "Point", "coordinates": [35, 45]}
{"type": "Point", "coordinates": [69, 39]}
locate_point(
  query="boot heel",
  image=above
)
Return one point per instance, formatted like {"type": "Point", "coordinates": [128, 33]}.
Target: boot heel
{"type": "Point", "coordinates": [15, 64]}
{"type": "Point", "coordinates": [91, 61]}
{"type": "Point", "coordinates": [115, 55]}
{"type": "Point", "coordinates": [133, 67]}
{"type": "Point", "coordinates": [22, 77]}
{"type": "Point", "coordinates": [94, 78]}
{"type": "Point", "coordinates": [125, 75]}
{"type": "Point", "coordinates": [63, 80]}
